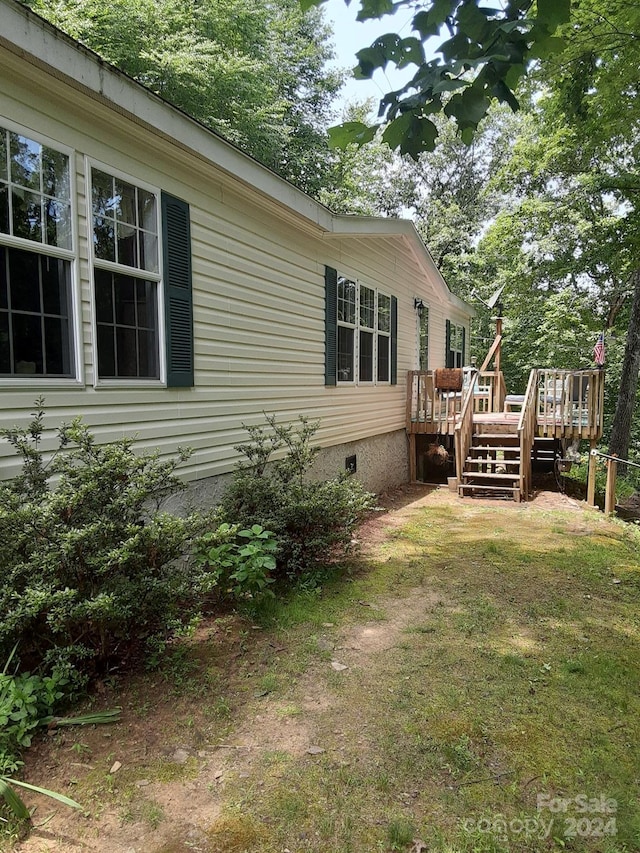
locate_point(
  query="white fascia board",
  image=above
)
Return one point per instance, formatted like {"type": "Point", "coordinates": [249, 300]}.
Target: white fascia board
{"type": "Point", "coordinates": [371, 226]}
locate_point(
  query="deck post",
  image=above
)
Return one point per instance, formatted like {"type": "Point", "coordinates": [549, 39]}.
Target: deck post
{"type": "Point", "coordinates": [591, 476]}
{"type": "Point", "coordinates": [412, 458]}
{"type": "Point", "coordinates": [610, 493]}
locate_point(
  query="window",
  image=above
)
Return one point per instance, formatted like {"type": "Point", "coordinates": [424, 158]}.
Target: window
{"type": "Point", "coordinates": [423, 337]}
{"type": "Point", "coordinates": [126, 278]}
{"type": "Point", "coordinates": [36, 255]}
{"type": "Point", "coordinates": [360, 337]}
{"type": "Point", "coordinates": [455, 353]}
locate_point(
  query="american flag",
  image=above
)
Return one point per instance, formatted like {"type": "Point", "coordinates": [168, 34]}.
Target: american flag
{"type": "Point", "coordinates": [598, 350]}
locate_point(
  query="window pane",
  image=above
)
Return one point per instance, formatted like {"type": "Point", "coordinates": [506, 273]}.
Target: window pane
{"type": "Point", "coordinates": [25, 162]}
{"type": "Point", "coordinates": [4, 169]}
{"type": "Point", "coordinates": [102, 195]}
{"type": "Point", "coordinates": [4, 209]}
{"type": "Point", "coordinates": [366, 357]}
{"type": "Point", "coordinates": [147, 211]}
{"type": "Point", "coordinates": [27, 344]}
{"type": "Point", "coordinates": [126, 351]}
{"type": "Point", "coordinates": [345, 354]}
{"type": "Point", "coordinates": [383, 358]}
{"type": "Point", "coordinates": [5, 347]}
{"type": "Point", "coordinates": [24, 275]}
{"type": "Point", "coordinates": [104, 296]}
{"type": "Point", "coordinates": [148, 354]}
{"type": "Point", "coordinates": [56, 335]}
{"type": "Point", "coordinates": [104, 244]}
{"type": "Point", "coordinates": [367, 307]}
{"type": "Point", "coordinates": [148, 252]}
{"type": "Point", "coordinates": [127, 250]}
{"type": "Point", "coordinates": [106, 352]}
{"type": "Point", "coordinates": [384, 313]}
{"type": "Point", "coordinates": [57, 221]}
{"type": "Point", "coordinates": [126, 203]}
{"type": "Point", "coordinates": [346, 300]}
{"type": "Point", "coordinates": [27, 215]}
{"type": "Point", "coordinates": [55, 174]}
{"type": "Point", "coordinates": [424, 339]}
{"type": "Point", "coordinates": [124, 289]}
{"type": "Point", "coordinates": [56, 286]}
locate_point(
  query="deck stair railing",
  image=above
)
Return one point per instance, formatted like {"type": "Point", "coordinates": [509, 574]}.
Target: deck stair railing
{"type": "Point", "coordinates": [527, 432]}
{"type": "Point", "coordinates": [464, 427]}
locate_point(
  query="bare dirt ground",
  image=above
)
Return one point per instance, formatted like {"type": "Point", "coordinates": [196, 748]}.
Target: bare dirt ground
{"type": "Point", "coordinates": [178, 748]}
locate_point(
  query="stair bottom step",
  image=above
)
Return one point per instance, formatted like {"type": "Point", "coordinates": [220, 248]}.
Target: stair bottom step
{"type": "Point", "coordinates": [479, 491]}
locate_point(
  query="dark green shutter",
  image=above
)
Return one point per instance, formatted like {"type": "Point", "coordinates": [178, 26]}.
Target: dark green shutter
{"type": "Point", "coordinates": [330, 325]}
{"type": "Point", "coordinates": [178, 304]}
{"type": "Point", "coordinates": [464, 346]}
{"type": "Point", "coordinates": [394, 340]}
{"type": "Point", "coordinates": [448, 361]}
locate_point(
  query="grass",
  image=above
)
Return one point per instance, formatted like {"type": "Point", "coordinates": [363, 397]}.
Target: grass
{"type": "Point", "coordinates": [490, 702]}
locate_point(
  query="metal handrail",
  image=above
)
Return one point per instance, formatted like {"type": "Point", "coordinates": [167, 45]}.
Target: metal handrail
{"type": "Point", "coordinates": [615, 458]}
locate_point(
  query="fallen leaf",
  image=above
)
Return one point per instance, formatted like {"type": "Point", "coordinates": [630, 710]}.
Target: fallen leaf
{"type": "Point", "coordinates": [315, 750]}
{"type": "Point", "coordinates": [115, 766]}
{"type": "Point", "coordinates": [339, 667]}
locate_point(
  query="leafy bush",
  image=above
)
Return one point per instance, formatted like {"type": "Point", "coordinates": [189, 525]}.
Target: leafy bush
{"type": "Point", "coordinates": [242, 568]}
{"type": "Point", "coordinates": [312, 521]}
{"type": "Point", "coordinates": [90, 567]}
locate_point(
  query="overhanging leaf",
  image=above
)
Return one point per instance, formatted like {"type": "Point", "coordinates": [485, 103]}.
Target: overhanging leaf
{"type": "Point", "coordinates": [351, 133]}
{"type": "Point", "coordinates": [411, 134]}
{"type": "Point", "coordinates": [552, 13]}
{"type": "Point", "coordinates": [375, 9]}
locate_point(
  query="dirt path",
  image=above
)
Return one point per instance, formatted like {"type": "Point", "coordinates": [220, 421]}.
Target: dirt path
{"type": "Point", "coordinates": [239, 709]}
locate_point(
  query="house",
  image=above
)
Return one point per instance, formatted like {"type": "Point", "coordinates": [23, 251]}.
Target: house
{"type": "Point", "coordinates": [160, 283]}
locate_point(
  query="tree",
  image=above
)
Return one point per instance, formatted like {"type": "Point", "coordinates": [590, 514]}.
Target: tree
{"type": "Point", "coordinates": [254, 72]}
{"type": "Point", "coordinates": [485, 53]}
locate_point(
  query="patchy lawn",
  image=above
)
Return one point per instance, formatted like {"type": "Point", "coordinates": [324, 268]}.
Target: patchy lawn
{"type": "Point", "coordinates": [473, 687]}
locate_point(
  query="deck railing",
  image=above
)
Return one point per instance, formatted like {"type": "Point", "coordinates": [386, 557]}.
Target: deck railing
{"type": "Point", "coordinates": [570, 403]}
{"type": "Point", "coordinates": [431, 410]}
{"type": "Point", "coordinates": [464, 430]}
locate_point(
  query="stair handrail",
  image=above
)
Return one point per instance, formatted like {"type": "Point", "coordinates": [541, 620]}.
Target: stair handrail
{"type": "Point", "coordinates": [463, 434]}
{"type": "Point", "coordinates": [526, 432]}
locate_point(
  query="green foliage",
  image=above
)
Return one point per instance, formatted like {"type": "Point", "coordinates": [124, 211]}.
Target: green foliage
{"type": "Point", "coordinates": [486, 52]}
{"type": "Point", "coordinates": [313, 521]}
{"type": "Point", "coordinates": [239, 562]}
{"type": "Point", "coordinates": [90, 567]}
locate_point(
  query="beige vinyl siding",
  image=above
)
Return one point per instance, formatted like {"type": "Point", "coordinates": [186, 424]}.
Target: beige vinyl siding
{"type": "Point", "coordinates": [258, 299]}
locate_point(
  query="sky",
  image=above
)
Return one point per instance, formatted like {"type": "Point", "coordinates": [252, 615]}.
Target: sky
{"type": "Point", "coordinates": [350, 36]}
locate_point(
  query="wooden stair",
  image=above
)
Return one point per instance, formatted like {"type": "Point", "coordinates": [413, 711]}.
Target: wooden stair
{"type": "Point", "coordinates": [492, 467]}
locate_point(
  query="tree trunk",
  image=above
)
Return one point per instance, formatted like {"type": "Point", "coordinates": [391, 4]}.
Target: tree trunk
{"type": "Point", "coordinates": [621, 430]}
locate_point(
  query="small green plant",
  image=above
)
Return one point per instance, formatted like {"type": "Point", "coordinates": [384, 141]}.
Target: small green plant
{"type": "Point", "coordinates": [312, 520]}
{"type": "Point", "coordinates": [239, 562]}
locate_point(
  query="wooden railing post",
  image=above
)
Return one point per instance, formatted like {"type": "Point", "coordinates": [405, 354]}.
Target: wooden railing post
{"type": "Point", "coordinates": [610, 492]}
{"type": "Point", "coordinates": [591, 476]}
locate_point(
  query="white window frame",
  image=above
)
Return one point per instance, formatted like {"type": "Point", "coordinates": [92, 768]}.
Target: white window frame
{"type": "Point", "coordinates": [134, 272]}
{"type": "Point", "coordinates": [357, 329]}
{"type": "Point", "coordinates": [25, 380]}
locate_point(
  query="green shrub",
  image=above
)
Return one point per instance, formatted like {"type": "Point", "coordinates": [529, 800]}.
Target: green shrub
{"type": "Point", "coordinates": [238, 562]}
{"type": "Point", "coordinates": [90, 566]}
{"type": "Point", "coordinates": [312, 521]}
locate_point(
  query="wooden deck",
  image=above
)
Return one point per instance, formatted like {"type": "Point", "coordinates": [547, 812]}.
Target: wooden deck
{"type": "Point", "coordinates": [494, 432]}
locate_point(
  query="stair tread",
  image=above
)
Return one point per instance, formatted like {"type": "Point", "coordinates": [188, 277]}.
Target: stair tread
{"type": "Point", "coordinates": [500, 435]}
{"type": "Point", "coordinates": [480, 460]}
{"type": "Point", "coordinates": [481, 474]}
{"type": "Point", "coordinates": [488, 488]}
